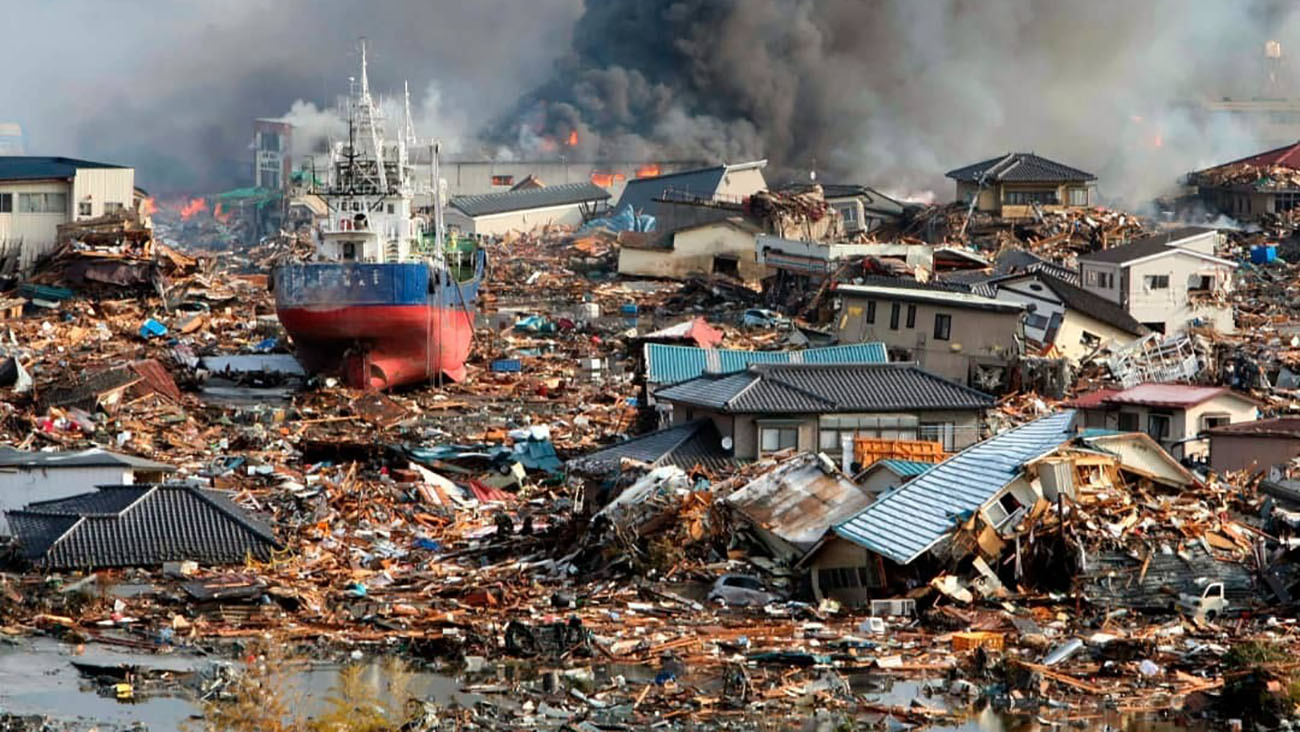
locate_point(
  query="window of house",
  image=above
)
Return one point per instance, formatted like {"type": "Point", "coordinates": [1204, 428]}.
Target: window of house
{"type": "Point", "coordinates": [1210, 421]}
{"type": "Point", "coordinates": [1156, 282]}
{"type": "Point", "coordinates": [772, 439]}
{"type": "Point", "coordinates": [43, 202]}
{"type": "Point", "coordinates": [1090, 277]}
{"type": "Point", "coordinates": [850, 214]}
{"type": "Point", "coordinates": [895, 309]}
{"type": "Point", "coordinates": [1107, 279]}
{"type": "Point", "coordinates": [1285, 201]}
{"type": "Point", "coordinates": [942, 326]}
{"type": "Point", "coordinates": [503, 180]}
{"type": "Point", "coordinates": [1078, 196]}
{"type": "Point", "coordinates": [871, 311]}
{"type": "Point", "coordinates": [1158, 427]}
{"type": "Point", "coordinates": [390, 208]}
{"type": "Point", "coordinates": [911, 316]}
{"type": "Point", "coordinates": [944, 433]}
{"type": "Point", "coordinates": [729, 266]}
{"type": "Point", "coordinates": [1034, 320]}
{"type": "Point", "coordinates": [1128, 422]}
{"type": "Point", "coordinates": [835, 429]}
{"type": "Point", "coordinates": [1091, 340]}
{"type": "Point", "coordinates": [83, 208]}
{"type": "Point", "coordinates": [114, 207]}
{"type": "Point", "coordinates": [1026, 198]}
{"type": "Point", "coordinates": [838, 578]}
{"type": "Point", "coordinates": [1003, 510]}
{"type": "Point", "coordinates": [1200, 282]}
{"type": "Point", "coordinates": [6, 203]}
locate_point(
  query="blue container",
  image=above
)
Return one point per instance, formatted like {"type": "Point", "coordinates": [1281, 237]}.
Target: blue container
{"type": "Point", "coordinates": [629, 310]}
{"type": "Point", "coordinates": [1263, 253]}
{"type": "Point", "coordinates": [507, 365]}
{"type": "Point", "coordinates": [152, 329]}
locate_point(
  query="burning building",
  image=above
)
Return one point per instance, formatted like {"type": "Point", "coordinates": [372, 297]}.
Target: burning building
{"type": "Point", "coordinates": [272, 164]}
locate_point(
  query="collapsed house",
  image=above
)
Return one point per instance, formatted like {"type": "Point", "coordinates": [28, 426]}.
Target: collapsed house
{"type": "Point", "coordinates": [1175, 415]}
{"type": "Point", "coordinates": [29, 477]}
{"type": "Point", "coordinates": [1252, 187]}
{"type": "Point", "coordinates": [1064, 319]}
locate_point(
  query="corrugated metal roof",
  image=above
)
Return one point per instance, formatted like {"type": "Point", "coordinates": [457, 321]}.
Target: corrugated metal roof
{"type": "Point", "coordinates": [522, 200]}
{"type": "Point", "coordinates": [671, 364]}
{"type": "Point", "coordinates": [1167, 395]}
{"type": "Point", "coordinates": [906, 468]}
{"type": "Point", "coordinates": [904, 524]}
{"type": "Point", "coordinates": [826, 388]}
{"type": "Point", "coordinates": [1020, 168]}
{"type": "Point", "coordinates": [640, 193]}
{"type": "Point", "coordinates": [94, 457]}
{"type": "Point", "coordinates": [798, 500]}
{"type": "Point", "coordinates": [685, 445]}
{"type": "Point", "coordinates": [35, 167]}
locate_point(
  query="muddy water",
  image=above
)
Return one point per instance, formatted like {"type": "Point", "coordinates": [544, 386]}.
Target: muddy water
{"type": "Point", "coordinates": [36, 677]}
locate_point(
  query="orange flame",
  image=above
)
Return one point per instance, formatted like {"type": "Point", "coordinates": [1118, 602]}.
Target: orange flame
{"type": "Point", "coordinates": [148, 207]}
{"type": "Point", "coordinates": [219, 215]}
{"type": "Point", "coordinates": [193, 207]}
{"type": "Point", "coordinates": [649, 170]}
{"type": "Point", "coordinates": [573, 138]}
{"type": "Point", "coordinates": [605, 179]}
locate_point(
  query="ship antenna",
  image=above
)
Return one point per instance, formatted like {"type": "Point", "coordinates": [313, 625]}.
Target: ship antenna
{"type": "Point", "coordinates": [439, 231]}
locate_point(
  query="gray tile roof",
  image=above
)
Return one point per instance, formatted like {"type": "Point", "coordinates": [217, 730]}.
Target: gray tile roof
{"type": "Point", "coordinates": [905, 523]}
{"type": "Point", "coordinates": [697, 442]}
{"type": "Point", "coordinates": [825, 388]}
{"type": "Point", "coordinates": [1020, 168]}
{"type": "Point", "coordinates": [125, 526]}
{"type": "Point", "coordinates": [528, 198]}
{"type": "Point", "coordinates": [94, 457]}
{"type": "Point", "coordinates": [1144, 247]}
{"type": "Point", "coordinates": [34, 167]}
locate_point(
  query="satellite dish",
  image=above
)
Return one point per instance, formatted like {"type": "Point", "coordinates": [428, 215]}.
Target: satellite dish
{"type": "Point", "coordinates": [727, 443]}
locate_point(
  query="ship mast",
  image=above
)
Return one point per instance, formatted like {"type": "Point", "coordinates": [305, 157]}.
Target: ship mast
{"type": "Point", "coordinates": [439, 232]}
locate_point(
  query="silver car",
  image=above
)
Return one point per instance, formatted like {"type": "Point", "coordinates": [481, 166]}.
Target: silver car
{"type": "Point", "coordinates": [740, 589]}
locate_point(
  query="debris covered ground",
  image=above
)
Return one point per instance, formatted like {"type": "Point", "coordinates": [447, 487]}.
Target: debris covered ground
{"type": "Point", "coordinates": [440, 524]}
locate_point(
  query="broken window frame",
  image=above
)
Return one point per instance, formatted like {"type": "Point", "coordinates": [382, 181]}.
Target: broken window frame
{"type": "Point", "coordinates": [1155, 282]}
{"type": "Point", "coordinates": [942, 326]}
{"type": "Point", "coordinates": [1154, 418]}
{"type": "Point", "coordinates": [997, 511]}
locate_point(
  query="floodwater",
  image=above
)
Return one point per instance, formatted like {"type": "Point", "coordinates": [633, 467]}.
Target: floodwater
{"type": "Point", "coordinates": [36, 677]}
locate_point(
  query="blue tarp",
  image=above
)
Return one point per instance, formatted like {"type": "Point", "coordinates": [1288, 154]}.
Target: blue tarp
{"type": "Point", "coordinates": [624, 220]}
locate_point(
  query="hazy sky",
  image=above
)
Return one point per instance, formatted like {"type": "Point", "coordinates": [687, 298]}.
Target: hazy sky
{"type": "Point", "coordinates": [887, 92]}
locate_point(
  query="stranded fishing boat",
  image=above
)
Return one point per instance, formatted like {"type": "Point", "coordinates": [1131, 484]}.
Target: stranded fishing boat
{"type": "Point", "coordinates": [379, 303]}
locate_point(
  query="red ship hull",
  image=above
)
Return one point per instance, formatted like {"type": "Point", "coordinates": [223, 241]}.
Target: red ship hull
{"type": "Point", "coordinates": [381, 346]}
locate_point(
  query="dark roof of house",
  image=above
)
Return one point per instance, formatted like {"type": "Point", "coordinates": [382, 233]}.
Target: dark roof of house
{"type": "Point", "coordinates": [1011, 261]}
{"type": "Point", "coordinates": [697, 442]}
{"type": "Point", "coordinates": [527, 198]}
{"type": "Point", "coordinates": [94, 457]}
{"type": "Point", "coordinates": [1287, 427]}
{"type": "Point", "coordinates": [640, 193]}
{"type": "Point", "coordinates": [1084, 302]}
{"type": "Point", "coordinates": [1019, 168]}
{"type": "Point", "coordinates": [1145, 247]}
{"type": "Point", "coordinates": [825, 388]}
{"type": "Point", "coordinates": [36, 167]}
{"type": "Point", "coordinates": [137, 525]}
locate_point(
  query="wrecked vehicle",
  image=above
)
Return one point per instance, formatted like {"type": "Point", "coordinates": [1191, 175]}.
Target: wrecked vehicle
{"type": "Point", "coordinates": [741, 590]}
{"type": "Point", "coordinates": [1207, 606]}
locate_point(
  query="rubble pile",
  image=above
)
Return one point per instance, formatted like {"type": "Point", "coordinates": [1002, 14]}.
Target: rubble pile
{"type": "Point", "coordinates": [1258, 177]}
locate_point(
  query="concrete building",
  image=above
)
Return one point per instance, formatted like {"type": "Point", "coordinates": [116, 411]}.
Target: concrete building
{"type": "Point", "coordinates": [1013, 185]}
{"type": "Point", "coordinates": [498, 214]}
{"type": "Point", "coordinates": [28, 477]}
{"type": "Point", "coordinates": [768, 408]}
{"type": "Point", "coordinates": [1254, 446]}
{"type": "Point", "coordinates": [969, 338]}
{"type": "Point", "coordinates": [1166, 282]}
{"type": "Point", "coordinates": [1071, 321]}
{"type": "Point", "coordinates": [715, 247]}
{"type": "Point", "coordinates": [39, 193]}
{"type": "Point", "coordinates": [1178, 416]}
{"type": "Point", "coordinates": [272, 163]}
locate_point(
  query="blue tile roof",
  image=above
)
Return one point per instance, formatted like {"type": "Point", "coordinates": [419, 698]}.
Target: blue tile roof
{"type": "Point", "coordinates": [906, 468]}
{"type": "Point", "coordinates": [672, 364]}
{"type": "Point", "coordinates": [907, 522]}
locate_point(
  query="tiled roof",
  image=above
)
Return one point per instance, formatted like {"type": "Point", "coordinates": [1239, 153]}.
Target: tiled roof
{"type": "Point", "coordinates": [32, 167]}
{"type": "Point", "coordinates": [1020, 168]}
{"type": "Point", "coordinates": [1146, 246]}
{"type": "Point", "coordinates": [94, 457]}
{"type": "Point", "coordinates": [1083, 302]}
{"type": "Point", "coordinates": [528, 198]}
{"type": "Point", "coordinates": [124, 526]}
{"type": "Point", "coordinates": [905, 523]}
{"type": "Point", "coordinates": [685, 445]}
{"type": "Point", "coordinates": [671, 364]}
{"type": "Point", "coordinates": [1012, 261]}
{"type": "Point", "coordinates": [825, 388]}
